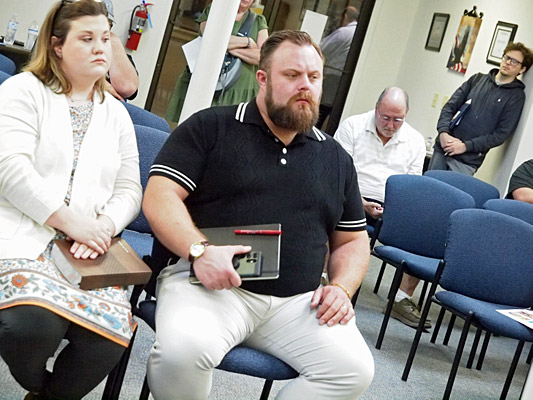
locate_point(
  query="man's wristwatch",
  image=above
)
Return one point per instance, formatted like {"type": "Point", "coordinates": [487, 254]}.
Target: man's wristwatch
{"type": "Point", "coordinates": [197, 250]}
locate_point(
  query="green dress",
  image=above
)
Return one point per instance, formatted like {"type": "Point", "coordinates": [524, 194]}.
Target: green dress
{"type": "Point", "coordinates": [245, 89]}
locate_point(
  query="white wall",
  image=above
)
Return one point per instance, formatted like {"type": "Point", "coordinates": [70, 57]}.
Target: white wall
{"type": "Point", "coordinates": [520, 147]}
{"type": "Point", "coordinates": [145, 56]}
{"type": "Point", "coordinates": [385, 43]}
{"type": "Point", "coordinates": [395, 54]}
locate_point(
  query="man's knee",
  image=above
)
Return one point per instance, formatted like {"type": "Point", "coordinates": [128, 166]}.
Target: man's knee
{"type": "Point", "coordinates": [186, 352]}
{"type": "Point", "coordinates": [182, 364]}
{"type": "Point", "coordinates": [355, 371]}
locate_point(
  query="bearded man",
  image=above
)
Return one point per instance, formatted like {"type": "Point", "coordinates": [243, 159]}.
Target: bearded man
{"type": "Point", "coordinates": [261, 162]}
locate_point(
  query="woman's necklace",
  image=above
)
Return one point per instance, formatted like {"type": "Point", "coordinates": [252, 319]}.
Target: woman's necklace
{"type": "Point", "coordinates": [79, 100]}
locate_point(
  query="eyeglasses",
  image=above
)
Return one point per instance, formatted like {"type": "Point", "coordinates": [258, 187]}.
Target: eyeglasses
{"type": "Point", "coordinates": [514, 61]}
{"type": "Point", "coordinates": [386, 119]}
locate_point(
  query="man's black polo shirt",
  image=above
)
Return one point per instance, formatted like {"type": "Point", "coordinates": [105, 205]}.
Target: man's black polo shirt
{"type": "Point", "coordinates": [238, 173]}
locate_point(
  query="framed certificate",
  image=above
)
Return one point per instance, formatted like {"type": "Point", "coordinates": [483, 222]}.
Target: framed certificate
{"type": "Point", "coordinates": [437, 31]}
{"type": "Point", "coordinates": [503, 34]}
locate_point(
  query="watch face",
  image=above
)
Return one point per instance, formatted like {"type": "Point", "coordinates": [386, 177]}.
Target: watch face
{"type": "Point", "coordinates": [197, 249]}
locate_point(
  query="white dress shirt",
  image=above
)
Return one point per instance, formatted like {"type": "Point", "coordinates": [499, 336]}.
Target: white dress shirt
{"type": "Point", "coordinates": [404, 153]}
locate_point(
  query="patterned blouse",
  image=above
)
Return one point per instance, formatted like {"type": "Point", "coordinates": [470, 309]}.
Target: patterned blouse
{"type": "Point", "coordinates": [38, 282]}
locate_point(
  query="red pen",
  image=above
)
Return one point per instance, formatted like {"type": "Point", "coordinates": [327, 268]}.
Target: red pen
{"type": "Point", "coordinates": [257, 232]}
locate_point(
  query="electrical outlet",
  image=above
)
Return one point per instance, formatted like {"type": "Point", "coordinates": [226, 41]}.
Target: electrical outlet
{"type": "Point", "coordinates": [435, 100]}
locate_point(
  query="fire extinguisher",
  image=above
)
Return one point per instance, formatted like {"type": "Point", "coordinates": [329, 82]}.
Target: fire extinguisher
{"type": "Point", "coordinates": [138, 19]}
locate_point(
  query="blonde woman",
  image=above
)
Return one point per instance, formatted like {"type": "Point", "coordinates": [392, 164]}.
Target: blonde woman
{"type": "Point", "coordinates": [68, 168]}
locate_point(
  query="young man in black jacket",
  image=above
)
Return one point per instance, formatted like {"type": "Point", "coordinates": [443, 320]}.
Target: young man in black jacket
{"type": "Point", "coordinates": [481, 114]}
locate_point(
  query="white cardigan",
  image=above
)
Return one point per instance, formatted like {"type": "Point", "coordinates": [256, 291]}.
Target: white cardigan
{"type": "Point", "coordinates": [36, 157]}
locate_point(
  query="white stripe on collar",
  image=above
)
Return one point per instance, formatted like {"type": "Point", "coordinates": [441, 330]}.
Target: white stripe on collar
{"type": "Point", "coordinates": [241, 110]}
{"type": "Point", "coordinates": [319, 135]}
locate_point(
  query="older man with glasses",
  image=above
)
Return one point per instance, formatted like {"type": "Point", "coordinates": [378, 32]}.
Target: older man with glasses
{"type": "Point", "coordinates": [382, 144]}
{"type": "Point", "coordinates": [481, 114]}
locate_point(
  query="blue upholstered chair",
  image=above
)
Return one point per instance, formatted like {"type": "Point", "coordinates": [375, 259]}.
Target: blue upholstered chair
{"type": "Point", "coordinates": [370, 230]}
{"type": "Point", "coordinates": [520, 210]}
{"type": "Point", "coordinates": [7, 65]}
{"type": "Point", "coordinates": [140, 116]}
{"type": "Point", "coordinates": [138, 234]}
{"type": "Point", "coordinates": [485, 269]}
{"type": "Point", "coordinates": [3, 76]}
{"type": "Point", "coordinates": [479, 190]}
{"type": "Point", "coordinates": [149, 141]}
{"type": "Point", "coordinates": [413, 229]}
{"type": "Point", "coordinates": [514, 208]}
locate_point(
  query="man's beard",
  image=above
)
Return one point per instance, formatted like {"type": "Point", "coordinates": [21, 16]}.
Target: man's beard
{"type": "Point", "coordinates": [300, 119]}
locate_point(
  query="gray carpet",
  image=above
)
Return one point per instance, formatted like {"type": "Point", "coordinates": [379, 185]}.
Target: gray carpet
{"type": "Point", "coordinates": [427, 379]}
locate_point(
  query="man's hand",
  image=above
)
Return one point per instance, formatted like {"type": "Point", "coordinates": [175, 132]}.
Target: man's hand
{"type": "Point", "coordinates": [445, 139]}
{"type": "Point", "coordinates": [215, 268]}
{"type": "Point", "coordinates": [373, 209]}
{"type": "Point", "coordinates": [451, 145]}
{"type": "Point", "coordinates": [333, 306]}
{"type": "Point", "coordinates": [454, 148]}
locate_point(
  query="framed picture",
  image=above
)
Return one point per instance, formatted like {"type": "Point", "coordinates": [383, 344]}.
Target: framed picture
{"type": "Point", "coordinates": [464, 42]}
{"type": "Point", "coordinates": [437, 31]}
{"type": "Point", "coordinates": [503, 34]}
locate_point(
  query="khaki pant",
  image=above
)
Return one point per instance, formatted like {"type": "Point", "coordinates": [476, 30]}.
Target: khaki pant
{"type": "Point", "coordinates": [197, 327]}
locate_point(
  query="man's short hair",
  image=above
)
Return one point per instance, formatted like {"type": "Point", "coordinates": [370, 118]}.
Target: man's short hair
{"type": "Point", "coordinates": [268, 48]}
{"type": "Point", "coordinates": [386, 90]}
{"type": "Point", "coordinates": [526, 52]}
{"type": "Point", "coordinates": [350, 14]}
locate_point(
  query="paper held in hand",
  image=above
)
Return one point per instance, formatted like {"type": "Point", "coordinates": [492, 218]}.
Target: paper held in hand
{"type": "Point", "coordinates": [119, 266]}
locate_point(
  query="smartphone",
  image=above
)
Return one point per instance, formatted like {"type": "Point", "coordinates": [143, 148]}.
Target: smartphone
{"type": "Point", "coordinates": [247, 265]}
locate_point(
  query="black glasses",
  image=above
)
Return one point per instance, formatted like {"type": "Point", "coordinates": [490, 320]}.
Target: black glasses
{"type": "Point", "coordinates": [514, 61]}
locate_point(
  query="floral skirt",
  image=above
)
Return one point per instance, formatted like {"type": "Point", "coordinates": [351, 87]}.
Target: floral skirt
{"type": "Point", "coordinates": [38, 282]}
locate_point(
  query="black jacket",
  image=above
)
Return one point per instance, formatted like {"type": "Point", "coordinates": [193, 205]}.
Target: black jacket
{"type": "Point", "coordinates": [490, 120]}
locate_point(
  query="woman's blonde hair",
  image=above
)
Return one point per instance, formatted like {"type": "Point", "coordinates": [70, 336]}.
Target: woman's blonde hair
{"type": "Point", "coordinates": [44, 63]}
